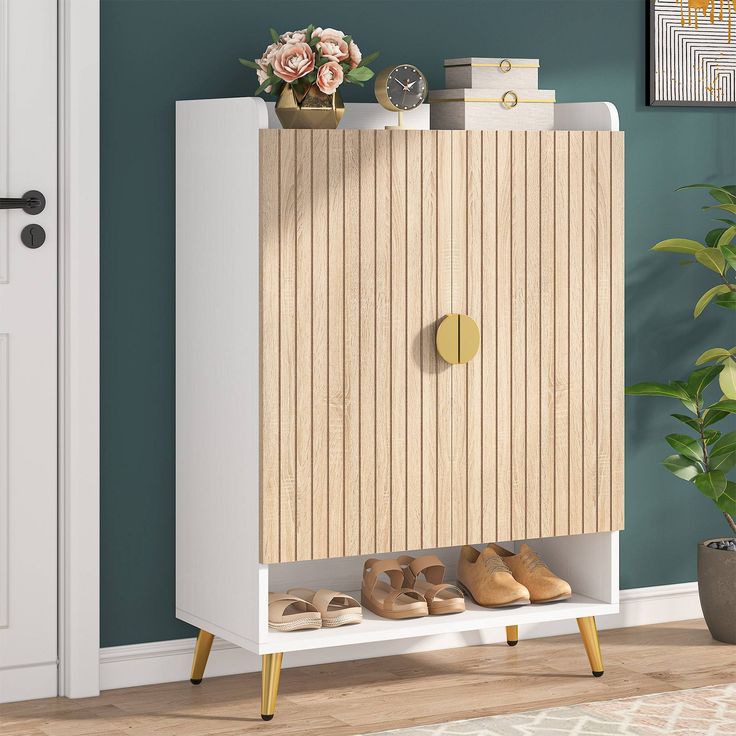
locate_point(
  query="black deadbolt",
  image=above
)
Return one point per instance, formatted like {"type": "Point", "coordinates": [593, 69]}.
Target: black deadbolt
{"type": "Point", "coordinates": [33, 236]}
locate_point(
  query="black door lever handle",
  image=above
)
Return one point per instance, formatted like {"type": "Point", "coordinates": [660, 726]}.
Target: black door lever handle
{"type": "Point", "coordinates": [32, 203]}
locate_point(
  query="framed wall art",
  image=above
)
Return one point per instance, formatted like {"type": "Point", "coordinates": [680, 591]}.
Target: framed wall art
{"type": "Point", "coordinates": [692, 52]}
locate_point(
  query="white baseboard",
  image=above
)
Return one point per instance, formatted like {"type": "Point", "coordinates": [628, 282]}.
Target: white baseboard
{"type": "Point", "coordinates": [170, 661]}
{"type": "Point", "coordinates": [28, 682]}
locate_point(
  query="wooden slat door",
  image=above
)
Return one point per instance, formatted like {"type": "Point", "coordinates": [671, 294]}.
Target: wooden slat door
{"type": "Point", "coordinates": [370, 441]}
{"type": "Point", "coordinates": [356, 269]}
{"type": "Point", "coordinates": [538, 413]}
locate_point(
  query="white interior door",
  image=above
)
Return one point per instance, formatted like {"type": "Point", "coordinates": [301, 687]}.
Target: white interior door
{"type": "Point", "coordinates": [28, 354]}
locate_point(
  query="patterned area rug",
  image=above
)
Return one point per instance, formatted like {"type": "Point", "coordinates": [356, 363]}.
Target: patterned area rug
{"type": "Point", "coordinates": [705, 711]}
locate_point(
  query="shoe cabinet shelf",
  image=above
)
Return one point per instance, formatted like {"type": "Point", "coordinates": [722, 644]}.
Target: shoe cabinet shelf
{"type": "Point", "coordinates": [317, 424]}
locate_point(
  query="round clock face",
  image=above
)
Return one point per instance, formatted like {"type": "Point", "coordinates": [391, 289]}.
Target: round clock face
{"type": "Point", "coordinates": [406, 87]}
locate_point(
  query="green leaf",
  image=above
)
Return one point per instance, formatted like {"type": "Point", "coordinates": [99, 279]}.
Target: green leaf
{"type": "Point", "coordinates": [720, 195]}
{"type": "Point", "coordinates": [727, 500]}
{"type": "Point", "coordinates": [347, 39]}
{"type": "Point", "coordinates": [709, 187]}
{"type": "Point", "coordinates": [682, 467]}
{"type": "Point", "coordinates": [711, 436]}
{"type": "Point", "coordinates": [723, 462]}
{"type": "Point", "coordinates": [692, 423]}
{"type": "Point", "coordinates": [712, 354]}
{"type": "Point", "coordinates": [727, 380]}
{"type": "Point", "coordinates": [726, 220]}
{"type": "Point", "coordinates": [698, 380]}
{"type": "Point", "coordinates": [727, 299]}
{"type": "Point", "coordinates": [262, 87]}
{"type": "Point", "coordinates": [711, 417]}
{"type": "Point", "coordinates": [713, 236]}
{"type": "Point", "coordinates": [249, 63]}
{"type": "Point", "coordinates": [727, 207]}
{"type": "Point", "coordinates": [726, 236]}
{"type": "Point", "coordinates": [360, 74]}
{"type": "Point", "coordinates": [654, 389]}
{"type": "Point", "coordinates": [685, 445]}
{"type": "Point", "coordinates": [274, 35]}
{"type": "Point", "coordinates": [679, 245]}
{"type": "Point", "coordinates": [729, 406]}
{"type": "Point", "coordinates": [724, 446]}
{"type": "Point", "coordinates": [712, 483]}
{"type": "Point", "coordinates": [705, 300]}
{"type": "Point", "coordinates": [369, 59]}
{"type": "Point", "coordinates": [729, 253]}
{"type": "Point", "coordinates": [712, 258]}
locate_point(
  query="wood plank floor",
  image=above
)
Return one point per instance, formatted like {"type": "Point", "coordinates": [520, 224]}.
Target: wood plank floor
{"type": "Point", "coordinates": [376, 694]}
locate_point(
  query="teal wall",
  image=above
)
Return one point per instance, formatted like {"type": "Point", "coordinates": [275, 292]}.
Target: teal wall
{"type": "Point", "coordinates": [158, 51]}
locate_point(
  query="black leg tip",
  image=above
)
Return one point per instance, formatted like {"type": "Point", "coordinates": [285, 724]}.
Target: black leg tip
{"type": "Point", "coordinates": [266, 718]}
{"type": "Point", "coordinates": [512, 643]}
{"type": "Point", "coordinates": [597, 674]}
{"type": "Point", "coordinates": [195, 682]}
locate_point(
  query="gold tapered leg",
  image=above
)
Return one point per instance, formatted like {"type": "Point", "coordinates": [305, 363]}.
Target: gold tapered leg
{"type": "Point", "coordinates": [201, 653]}
{"type": "Point", "coordinates": [512, 635]}
{"type": "Point", "coordinates": [592, 646]}
{"type": "Point", "coordinates": [270, 675]}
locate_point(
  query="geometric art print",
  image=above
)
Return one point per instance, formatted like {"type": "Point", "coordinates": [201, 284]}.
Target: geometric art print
{"type": "Point", "coordinates": [692, 52]}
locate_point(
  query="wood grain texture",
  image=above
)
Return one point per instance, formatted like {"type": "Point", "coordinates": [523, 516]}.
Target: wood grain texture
{"type": "Point", "coordinates": [351, 349]}
{"type": "Point", "coordinates": [270, 357]}
{"type": "Point", "coordinates": [414, 218]}
{"type": "Point", "coordinates": [459, 429]}
{"type": "Point", "coordinates": [320, 348]}
{"type": "Point", "coordinates": [504, 392]}
{"type": "Point", "coordinates": [576, 402]}
{"type": "Point", "coordinates": [617, 331]}
{"type": "Point", "coordinates": [367, 342]}
{"type": "Point", "coordinates": [303, 345]}
{"type": "Point", "coordinates": [444, 306]}
{"type": "Point", "coordinates": [562, 331]}
{"type": "Point", "coordinates": [518, 358]}
{"type": "Point", "coordinates": [415, 689]}
{"type": "Point", "coordinates": [547, 390]}
{"type": "Point", "coordinates": [488, 360]}
{"type": "Point", "coordinates": [373, 443]}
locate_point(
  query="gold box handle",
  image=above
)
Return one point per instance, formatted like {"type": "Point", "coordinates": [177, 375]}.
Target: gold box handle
{"type": "Point", "coordinates": [510, 99]}
{"type": "Point", "coordinates": [505, 65]}
{"type": "Point", "coordinates": [458, 338]}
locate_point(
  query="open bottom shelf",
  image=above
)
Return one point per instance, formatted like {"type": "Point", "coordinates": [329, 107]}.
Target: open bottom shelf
{"type": "Point", "coordinates": [475, 618]}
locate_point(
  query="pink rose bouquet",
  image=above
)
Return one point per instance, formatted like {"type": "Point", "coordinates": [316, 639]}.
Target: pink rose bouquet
{"type": "Point", "coordinates": [322, 56]}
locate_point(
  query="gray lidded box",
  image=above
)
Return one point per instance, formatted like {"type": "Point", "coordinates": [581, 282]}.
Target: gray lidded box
{"type": "Point", "coordinates": [492, 109]}
{"type": "Point", "coordinates": [486, 73]}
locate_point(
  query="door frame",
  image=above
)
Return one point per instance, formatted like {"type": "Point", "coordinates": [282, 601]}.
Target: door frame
{"type": "Point", "coordinates": [78, 347]}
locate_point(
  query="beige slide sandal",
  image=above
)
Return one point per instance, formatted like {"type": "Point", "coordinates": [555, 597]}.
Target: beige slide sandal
{"type": "Point", "coordinates": [441, 597]}
{"type": "Point", "coordinates": [289, 613]}
{"type": "Point", "coordinates": [390, 600]}
{"type": "Point", "coordinates": [336, 609]}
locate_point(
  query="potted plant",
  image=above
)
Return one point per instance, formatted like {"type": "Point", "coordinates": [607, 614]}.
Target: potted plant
{"type": "Point", "coordinates": [304, 70]}
{"type": "Point", "coordinates": [704, 455]}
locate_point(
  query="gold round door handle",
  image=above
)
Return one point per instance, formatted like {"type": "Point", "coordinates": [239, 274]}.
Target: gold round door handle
{"type": "Point", "coordinates": [505, 66]}
{"type": "Point", "coordinates": [458, 338]}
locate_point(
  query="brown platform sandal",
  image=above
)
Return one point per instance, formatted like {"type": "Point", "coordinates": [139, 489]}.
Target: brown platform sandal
{"type": "Point", "coordinates": [290, 613]}
{"type": "Point", "coordinates": [441, 597]}
{"type": "Point", "coordinates": [336, 609]}
{"type": "Point", "coordinates": [390, 601]}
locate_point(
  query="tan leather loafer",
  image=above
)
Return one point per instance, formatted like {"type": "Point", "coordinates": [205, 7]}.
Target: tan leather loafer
{"type": "Point", "coordinates": [527, 567]}
{"type": "Point", "coordinates": [486, 577]}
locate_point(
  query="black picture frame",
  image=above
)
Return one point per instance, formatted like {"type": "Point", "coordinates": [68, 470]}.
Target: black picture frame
{"type": "Point", "coordinates": [650, 86]}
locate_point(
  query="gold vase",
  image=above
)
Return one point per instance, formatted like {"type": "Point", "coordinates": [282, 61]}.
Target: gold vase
{"type": "Point", "coordinates": [314, 109]}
